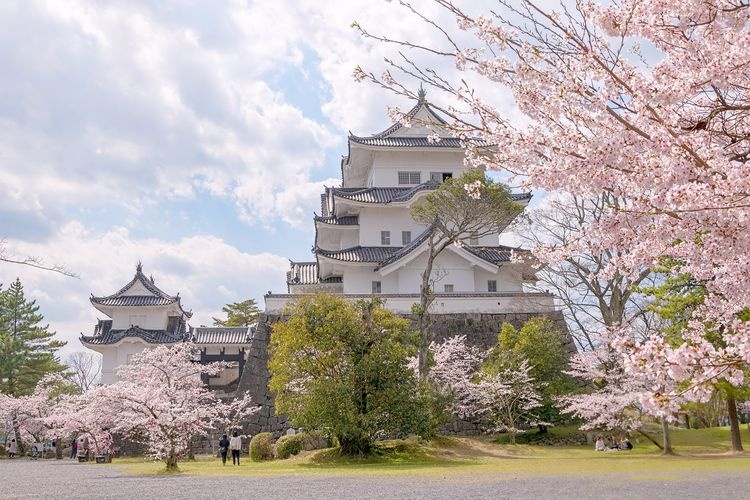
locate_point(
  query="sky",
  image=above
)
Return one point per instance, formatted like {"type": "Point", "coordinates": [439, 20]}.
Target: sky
{"type": "Point", "coordinates": [192, 136]}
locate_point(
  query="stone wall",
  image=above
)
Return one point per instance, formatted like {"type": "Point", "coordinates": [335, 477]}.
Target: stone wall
{"type": "Point", "coordinates": [480, 329]}
{"type": "Point", "coordinates": [254, 380]}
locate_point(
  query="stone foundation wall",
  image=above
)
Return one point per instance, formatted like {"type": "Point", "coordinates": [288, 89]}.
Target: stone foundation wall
{"type": "Point", "coordinates": [480, 329]}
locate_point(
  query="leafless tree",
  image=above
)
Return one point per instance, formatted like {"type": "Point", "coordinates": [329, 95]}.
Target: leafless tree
{"type": "Point", "coordinates": [85, 369]}
{"type": "Point", "coordinates": [31, 261]}
{"type": "Point", "coordinates": [591, 299]}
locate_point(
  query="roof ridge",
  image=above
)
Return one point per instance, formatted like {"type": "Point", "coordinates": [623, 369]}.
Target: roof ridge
{"type": "Point", "coordinates": [147, 284]}
{"type": "Point", "coordinates": [398, 125]}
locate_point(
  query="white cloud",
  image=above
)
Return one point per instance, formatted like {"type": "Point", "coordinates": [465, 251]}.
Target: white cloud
{"type": "Point", "coordinates": [206, 271]}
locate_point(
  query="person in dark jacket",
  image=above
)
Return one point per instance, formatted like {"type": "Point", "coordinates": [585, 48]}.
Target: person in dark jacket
{"type": "Point", "coordinates": [223, 448]}
{"type": "Point", "coordinates": [74, 448]}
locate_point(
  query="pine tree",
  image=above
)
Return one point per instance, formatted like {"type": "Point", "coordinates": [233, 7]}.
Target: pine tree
{"type": "Point", "coordinates": [27, 348]}
{"type": "Point", "coordinates": [243, 313]}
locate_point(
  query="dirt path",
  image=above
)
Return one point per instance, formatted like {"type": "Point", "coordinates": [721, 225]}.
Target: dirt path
{"type": "Point", "coordinates": [66, 479]}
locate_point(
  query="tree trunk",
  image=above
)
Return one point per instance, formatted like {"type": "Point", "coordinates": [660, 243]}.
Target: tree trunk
{"type": "Point", "coordinates": [512, 437]}
{"type": "Point", "coordinates": [352, 446]}
{"type": "Point", "coordinates": [658, 445]}
{"type": "Point", "coordinates": [734, 424]}
{"type": "Point", "coordinates": [426, 297]}
{"type": "Point", "coordinates": [667, 450]}
{"type": "Point", "coordinates": [171, 460]}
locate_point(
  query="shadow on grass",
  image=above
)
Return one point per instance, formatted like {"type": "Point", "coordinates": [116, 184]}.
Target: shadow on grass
{"type": "Point", "coordinates": [392, 455]}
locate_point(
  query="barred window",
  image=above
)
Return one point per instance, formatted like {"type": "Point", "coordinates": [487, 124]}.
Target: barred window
{"type": "Point", "coordinates": [385, 237]}
{"type": "Point", "coordinates": [405, 237]}
{"type": "Point", "coordinates": [376, 287]}
{"type": "Point", "coordinates": [409, 178]}
{"type": "Point", "coordinates": [448, 288]}
{"type": "Point", "coordinates": [492, 285]}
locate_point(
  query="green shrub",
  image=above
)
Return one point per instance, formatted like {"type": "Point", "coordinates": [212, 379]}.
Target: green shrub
{"type": "Point", "coordinates": [261, 447]}
{"type": "Point", "coordinates": [287, 446]}
{"type": "Point", "coordinates": [314, 441]}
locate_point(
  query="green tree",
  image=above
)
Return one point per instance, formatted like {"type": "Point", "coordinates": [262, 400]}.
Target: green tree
{"type": "Point", "coordinates": [343, 369]}
{"type": "Point", "coordinates": [539, 342]}
{"type": "Point", "coordinates": [455, 213]}
{"type": "Point", "coordinates": [27, 348]}
{"type": "Point", "coordinates": [243, 313]}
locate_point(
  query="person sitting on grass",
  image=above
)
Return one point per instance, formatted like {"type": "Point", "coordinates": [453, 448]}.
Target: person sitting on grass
{"type": "Point", "coordinates": [599, 446]}
{"type": "Point", "coordinates": [613, 446]}
{"type": "Point", "coordinates": [625, 444]}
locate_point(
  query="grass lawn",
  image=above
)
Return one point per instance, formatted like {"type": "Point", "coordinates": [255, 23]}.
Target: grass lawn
{"type": "Point", "coordinates": [702, 450]}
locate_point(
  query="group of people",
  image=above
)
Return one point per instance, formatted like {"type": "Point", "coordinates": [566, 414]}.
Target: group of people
{"type": "Point", "coordinates": [234, 445]}
{"type": "Point", "coordinates": [612, 444]}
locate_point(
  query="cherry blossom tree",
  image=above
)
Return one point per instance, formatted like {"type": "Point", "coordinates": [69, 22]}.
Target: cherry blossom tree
{"type": "Point", "coordinates": [26, 416]}
{"type": "Point", "coordinates": [160, 398]}
{"type": "Point", "coordinates": [85, 415]}
{"type": "Point", "coordinates": [664, 128]}
{"type": "Point", "coordinates": [613, 399]}
{"type": "Point", "coordinates": [503, 399]}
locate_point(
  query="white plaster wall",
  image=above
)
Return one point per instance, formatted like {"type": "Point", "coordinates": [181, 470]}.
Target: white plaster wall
{"type": "Point", "coordinates": [109, 364]}
{"type": "Point", "coordinates": [156, 318]}
{"type": "Point", "coordinates": [448, 268]}
{"type": "Point", "coordinates": [508, 278]}
{"type": "Point", "coordinates": [393, 219]}
{"type": "Point", "coordinates": [359, 280]}
{"type": "Point", "coordinates": [137, 289]}
{"type": "Point", "coordinates": [349, 238]}
{"type": "Point", "coordinates": [387, 164]}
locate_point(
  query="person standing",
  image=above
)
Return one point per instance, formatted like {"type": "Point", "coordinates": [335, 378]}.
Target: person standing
{"type": "Point", "coordinates": [74, 448]}
{"type": "Point", "coordinates": [235, 444]}
{"type": "Point", "coordinates": [12, 448]}
{"type": "Point", "coordinates": [223, 448]}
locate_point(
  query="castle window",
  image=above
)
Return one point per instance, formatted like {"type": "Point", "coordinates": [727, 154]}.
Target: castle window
{"type": "Point", "coordinates": [409, 178]}
{"type": "Point", "coordinates": [492, 285]}
{"type": "Point", "coordinates": [448, 288]}
{"type": "Point", "coordinates": [385, 237]}
{"type": "Point", "coordinates": [376, 287]}
{"type": "Point", "coordinates": [473, 239]}
{"type": "Point", "coordinates": [405, 237]}
{"type": "Point", "coordinates": [440, 176]}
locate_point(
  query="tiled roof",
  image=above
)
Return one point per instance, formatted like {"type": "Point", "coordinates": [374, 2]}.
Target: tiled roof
{"type": "Point", "coordinates": [385, 138]}
{"type": "Point", "coordinates": [409, 114]}
{"type": "Point", "coordinates": [407, 249]}
{"type": "Point", "coordinates": [408, 142]}
{"type": "Point", "coordinates": [306, 273]}
{"type": "Point", "coordinates": [159, 298]}
{"type": "Point", "coordinates": [359, 254]}
{"type": "Point", "coordinates": [493, 254]}
{"type": "Point", "coordinates": [396, 194]}
{"type": "Point", "coordinates": [223, 335]}
{"type": "Point", "coordinates": [351, 220]}
{"type": "Point", "coordinates": [387, 255]}
{"type": "Point", "coordinates": [382, 194]}
{"type": "Point", "coordinates": [133, 300]}
{"type": "Point", "coordinates": [150, 336]}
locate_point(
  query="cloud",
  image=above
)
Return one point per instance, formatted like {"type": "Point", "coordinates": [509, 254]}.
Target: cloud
{"type": "Point", "coordinates": [206, 271]}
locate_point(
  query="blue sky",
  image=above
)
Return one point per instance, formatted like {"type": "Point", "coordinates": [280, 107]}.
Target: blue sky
{"type": "Point", "coordinates": [193, 136]}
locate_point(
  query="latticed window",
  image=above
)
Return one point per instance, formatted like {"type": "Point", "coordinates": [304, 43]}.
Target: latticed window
{"type": "Point", "coordinates": [376, 287]}
{"type": "Point", "coordinates": [405, 237]}
{"type": "Point", "coordinates": [409, 178]}
{"type": "Point", "coordinates": [385, 237]}
{"type": "Point", "coordinates": [492, 285]}
{"type": "Point", "coordinates": [448, 288]}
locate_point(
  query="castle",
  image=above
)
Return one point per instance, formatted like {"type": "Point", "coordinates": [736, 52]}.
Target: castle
{"type": "Point", "coordinates": [366, 243]}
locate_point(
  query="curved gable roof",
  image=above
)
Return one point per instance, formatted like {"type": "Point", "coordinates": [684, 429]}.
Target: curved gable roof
{"type": "Point", "coordinates": [157, 296]}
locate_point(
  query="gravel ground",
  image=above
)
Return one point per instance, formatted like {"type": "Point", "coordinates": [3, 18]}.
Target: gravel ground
{"type": "Point", "coordinates": [23, 478]}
